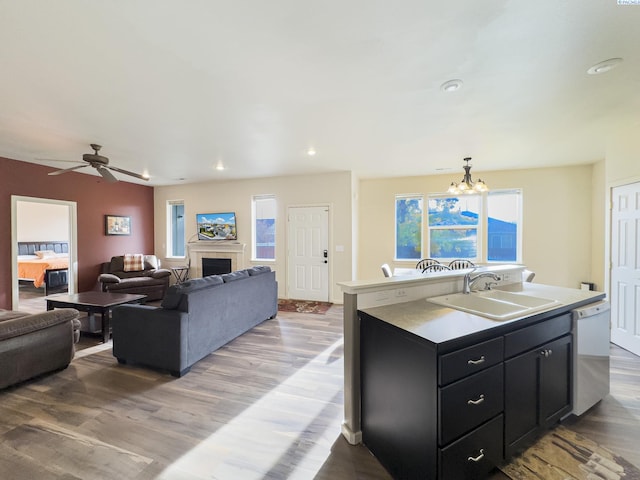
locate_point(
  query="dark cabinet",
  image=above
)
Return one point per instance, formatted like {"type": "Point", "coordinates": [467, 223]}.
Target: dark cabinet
{"type": "Point", "coordinates": [458, 414]}
{"type": "Point", "coordinates": [537, 392]}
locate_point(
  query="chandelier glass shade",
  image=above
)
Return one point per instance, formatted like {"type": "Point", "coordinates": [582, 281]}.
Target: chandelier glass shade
{"type": "Point", "coordinates": [466, 185]}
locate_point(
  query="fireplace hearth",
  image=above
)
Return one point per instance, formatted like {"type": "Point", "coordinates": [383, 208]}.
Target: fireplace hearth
{"type": "Point", "coordinates": [223, 250]}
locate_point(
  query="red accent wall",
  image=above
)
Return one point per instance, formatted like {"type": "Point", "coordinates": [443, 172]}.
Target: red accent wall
{"type": "Point", "coordinates": [94, 198]}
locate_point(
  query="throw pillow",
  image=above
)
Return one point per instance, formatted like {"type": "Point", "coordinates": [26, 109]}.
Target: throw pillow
{"type": "Point", "coordinates": [45, 253]}
{"type": "Point", "coordinates": [133, 262]}
{"type": "Point", "coordinates": [234, 276]}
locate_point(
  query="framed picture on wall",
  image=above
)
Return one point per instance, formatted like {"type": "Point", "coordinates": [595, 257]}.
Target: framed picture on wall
{"type": "Point", "coordinates": [117, 225]}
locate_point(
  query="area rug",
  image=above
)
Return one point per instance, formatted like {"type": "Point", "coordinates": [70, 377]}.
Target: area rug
{"type": "Point", "coordinates": [303, 306]}
{"type": "Point", "coordinates": [563, 454]}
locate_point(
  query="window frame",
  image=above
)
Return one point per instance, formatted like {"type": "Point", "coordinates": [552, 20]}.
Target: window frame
{"type": "Point", "coordinates": [255, 200]}
{"type": "Point", "coordinates": [477, 226]}
{"type": "Point", "coordinates": [173, 230]}
{"type": "Point", "coordinates": [483, 242]}
{"type": "Point", "coordinates": [519, 224]}
{"type": "Point", "coordinates": [408, 196]}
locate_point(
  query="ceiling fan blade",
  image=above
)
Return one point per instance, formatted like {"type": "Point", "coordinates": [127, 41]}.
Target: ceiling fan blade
{"type": "Point", "coordinates": [55, 160]}
{"type": "Point", "coordinates": [106, 174]}
{"type": "Point", "coordinates": [126, 172]}
{"type": "Point", "coordinates": [59, 172]}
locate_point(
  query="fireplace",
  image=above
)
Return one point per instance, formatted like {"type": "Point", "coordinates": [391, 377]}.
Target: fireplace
{"type": "Point", "coordinates": [215, 266]}
{"type": "Point", "coordinates": [206, 249]}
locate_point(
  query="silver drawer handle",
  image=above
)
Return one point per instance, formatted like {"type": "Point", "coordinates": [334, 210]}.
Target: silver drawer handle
{"type": "Point", "coordinates": [476, 362]}
{"type": "Point", "coordinates": [478, 458]}
{"type": "Point", "coordinates": [476, 402]}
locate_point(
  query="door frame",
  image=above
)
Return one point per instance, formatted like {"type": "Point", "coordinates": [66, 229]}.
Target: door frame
{"type": "Point", "coordinates": [329, 208]}
{"type": "Point", "coordinates": [609, 234]}
{"type": "Point", "coordinates": [73, 243]}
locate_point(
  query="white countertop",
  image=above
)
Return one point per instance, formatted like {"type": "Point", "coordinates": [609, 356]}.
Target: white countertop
{"type": "Point", "coordinates": [439, 324]}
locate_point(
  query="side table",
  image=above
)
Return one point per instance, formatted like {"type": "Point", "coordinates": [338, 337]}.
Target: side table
{"type": "Point", "coordinates": [181, 273]}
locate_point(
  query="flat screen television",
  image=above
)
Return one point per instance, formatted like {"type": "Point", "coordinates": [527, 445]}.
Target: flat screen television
{"type": "Point", "coordinates": [217, 226]}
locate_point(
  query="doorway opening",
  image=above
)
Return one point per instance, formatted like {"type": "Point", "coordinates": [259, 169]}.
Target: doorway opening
{"type": "Point", "coordinates": [36, 223]}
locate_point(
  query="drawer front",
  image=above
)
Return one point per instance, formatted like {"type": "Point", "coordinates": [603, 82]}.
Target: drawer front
{"type": "Point", "coordinates": [467, 361]}
{"type": "Point", "coordinates": [529, 337]}
{"type": "Point", "coordinates": [470, 402]}
{"type": "Point", "coordinates": [474, 455]}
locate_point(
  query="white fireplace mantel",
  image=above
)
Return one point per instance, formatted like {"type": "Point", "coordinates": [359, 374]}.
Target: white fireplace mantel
{"type": "Point", "coordinates": [214, 249]}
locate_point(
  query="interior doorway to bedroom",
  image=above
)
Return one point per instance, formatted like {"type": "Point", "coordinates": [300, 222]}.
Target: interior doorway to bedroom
{"type": "Point", "coordinates": [41, 220]}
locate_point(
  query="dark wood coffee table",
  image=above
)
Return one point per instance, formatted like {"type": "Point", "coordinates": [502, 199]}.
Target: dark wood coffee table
{"type": "Point", "coordinates": [92, 303]}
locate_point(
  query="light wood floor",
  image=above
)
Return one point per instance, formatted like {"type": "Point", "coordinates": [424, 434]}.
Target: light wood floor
{"type": "Point", "coordinates": [267, 406]}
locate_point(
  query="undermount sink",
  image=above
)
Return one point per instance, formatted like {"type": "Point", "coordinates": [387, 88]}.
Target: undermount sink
{"type": "Point", "coordinates": [495, 304]}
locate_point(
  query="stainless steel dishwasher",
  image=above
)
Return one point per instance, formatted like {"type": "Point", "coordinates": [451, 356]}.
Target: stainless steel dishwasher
{"type": "Point", "coordinates": [591, 337]}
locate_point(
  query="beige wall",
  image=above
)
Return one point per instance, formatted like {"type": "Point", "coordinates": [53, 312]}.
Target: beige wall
{"type": "Point", "coordinates": [622, 167]}
{"type": "Point", "coordinates": [334, 190]}
{"type": "Point", "coordinates": [37, 222]}
{"type": "Point", "coordinates": [564, 218]}
{"type": "Point", "coordinates": [557, 212]}
{"type": "Point", "coordinates": [623, 154]}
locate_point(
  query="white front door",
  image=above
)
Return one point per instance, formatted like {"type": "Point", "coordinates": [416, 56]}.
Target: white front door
{"type": "Point", "coordinates": [308, 253]}
{"type": "Point", "coordinates": [625, 267]}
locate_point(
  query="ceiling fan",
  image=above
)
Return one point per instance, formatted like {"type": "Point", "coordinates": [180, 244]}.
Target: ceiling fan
{"type": "Point", "coordinates": [101, 164]}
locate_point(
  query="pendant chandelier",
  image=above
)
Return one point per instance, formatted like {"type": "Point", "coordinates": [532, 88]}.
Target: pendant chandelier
{"type": "Point", "coordinates": [467, 186]}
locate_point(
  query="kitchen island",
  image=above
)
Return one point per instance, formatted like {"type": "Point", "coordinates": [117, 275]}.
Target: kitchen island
{"type": "Point", "coordinates": [449, 394]}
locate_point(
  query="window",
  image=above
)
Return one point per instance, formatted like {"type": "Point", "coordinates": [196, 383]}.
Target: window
{"type": "Point", "coordinates": [504, 232]}
{"type": "Point", "coordinates": [481, 228]}
{"type": "Point", "coordinates": [453, 227]}
{"type": "Point", "coordinates": [409, 227]}
{"type": "Point", "coordinates": [264, 227]}
{"type": "Point", "coordinates": [175, 228]}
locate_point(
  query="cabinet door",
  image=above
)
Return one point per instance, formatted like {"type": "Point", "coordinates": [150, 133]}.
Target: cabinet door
{"type": "Point", "coordinates": [555, 380]}
{"type": "Point", "coordinates": [537, 392]}
{"type": "Point", "coordinates": [520, 401]}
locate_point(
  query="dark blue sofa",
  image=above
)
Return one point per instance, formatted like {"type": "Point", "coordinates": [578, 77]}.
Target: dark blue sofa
{"type": "Point", "coordinates": [195, 318]}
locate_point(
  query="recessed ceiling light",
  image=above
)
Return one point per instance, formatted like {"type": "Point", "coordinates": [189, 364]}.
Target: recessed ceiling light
{"type": "Point", "coordinates": [311, 152]}
{"type": "Point", "coordinates": [604, 66]}
{"type": "Point", "coordinates": [219, 166]}
{"type": "Point", "coordinates": [451, 85]}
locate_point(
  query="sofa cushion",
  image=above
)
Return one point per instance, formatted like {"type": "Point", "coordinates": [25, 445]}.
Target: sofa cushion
{"type": "Point", "coordinates": [135, 282]}
{"type": "Point", "coordinates": [160, 273]}
{"type": "Point", "coordinates": [151, 262]}
{"type": "Point", "coordinates": [9, 314]}
{"type": "Point", "coordinates": [117, 264]}
{"type": "Point", "coordinates": [108, 278]}
{"type": "Point", "coordinates": [258, 269]}
{"type": "Point", "coordinates": [234, 276]}
{"type": "Point", "coordinates": [30, 323]}
{"type": "Point", "coordinates": [174, 294]}
{"type": "Point", "coordinates": [133, 262]}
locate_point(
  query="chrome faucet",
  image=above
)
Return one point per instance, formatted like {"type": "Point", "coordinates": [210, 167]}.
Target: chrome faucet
{"type": "Point", "coordinates": [469, 280]}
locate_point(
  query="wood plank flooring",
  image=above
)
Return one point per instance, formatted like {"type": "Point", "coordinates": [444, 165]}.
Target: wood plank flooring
{"type": "Point", "coordinates": [266, 406]}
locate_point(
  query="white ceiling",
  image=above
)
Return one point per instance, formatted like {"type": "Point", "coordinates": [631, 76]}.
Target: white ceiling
{"type": "Point", "coordinates": [175, 87]}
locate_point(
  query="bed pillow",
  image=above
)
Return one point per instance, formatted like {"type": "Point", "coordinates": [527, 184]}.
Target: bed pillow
{"type": "Point", "coordinates": [133, 262]}
{"type": "Point", "coordinates": [45, 253]}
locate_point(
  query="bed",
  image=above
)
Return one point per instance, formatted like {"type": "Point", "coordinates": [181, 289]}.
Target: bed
{"type": "Point", "coordinates": [44, 263]}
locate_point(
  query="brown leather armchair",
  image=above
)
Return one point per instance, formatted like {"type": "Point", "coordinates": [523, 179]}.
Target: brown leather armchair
{"type": "Point", "coordinates": [152, 281]}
